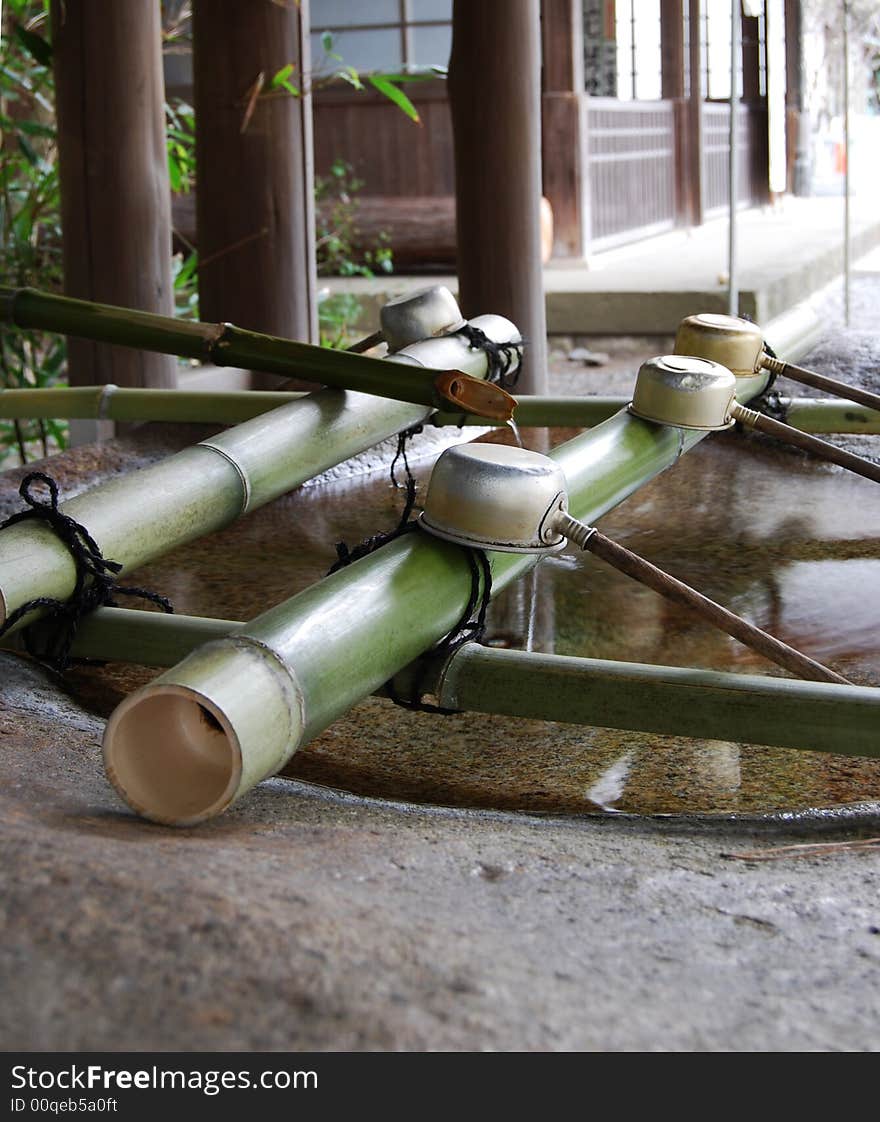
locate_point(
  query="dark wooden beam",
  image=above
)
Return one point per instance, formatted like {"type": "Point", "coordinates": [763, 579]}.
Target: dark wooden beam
{"type": "Point", "coordinates": [563, 115]}
{"type": "Point", "coordinates": [255, 205]}
{"type": "Point", "coordinates": [694, 160]}
{"type": "Point", "coordinates": [673, 74]}
{"type": "Point", "coordinates": [495, 96]}
{"type": "Point", "coordinates": [672, 59]}
{"type": "Point", "coordinates": [115, 200]}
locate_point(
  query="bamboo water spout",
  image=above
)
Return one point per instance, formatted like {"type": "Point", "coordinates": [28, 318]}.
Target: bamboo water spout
{"type": "Point", "coordinates": [205, 487]}
{"type": "Point", "coordinates": [183, 748]}
{"type": "Point", "coordinates": [226, 345]}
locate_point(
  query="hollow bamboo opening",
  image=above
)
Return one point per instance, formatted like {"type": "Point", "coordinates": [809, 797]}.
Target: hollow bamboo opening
{"type": "Point", "coordinates": [172, 755]}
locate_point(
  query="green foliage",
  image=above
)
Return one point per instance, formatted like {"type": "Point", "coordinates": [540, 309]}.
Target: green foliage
{"type": "Point", "coordinates": [336, 204]}
{"type": "Point", "coordinates": [30, 213]}
{"type": "Point", "coordinates": [180, 140]}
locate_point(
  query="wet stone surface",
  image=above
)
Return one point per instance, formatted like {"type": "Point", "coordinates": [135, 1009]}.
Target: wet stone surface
{"type": "Point", "coordinates": [311, 917]}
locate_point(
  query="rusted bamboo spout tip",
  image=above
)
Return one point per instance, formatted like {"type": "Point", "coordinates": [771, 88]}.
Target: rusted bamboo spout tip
{"type": "Point", "coordinates": [472, 395]}
{"type": "Point", "coordinates": [172, 755]}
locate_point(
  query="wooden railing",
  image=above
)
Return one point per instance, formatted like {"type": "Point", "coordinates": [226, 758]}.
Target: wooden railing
{"type": "Point", "coordinates": [716, 149]}
{"type": "Point", "coordinates": [631, 169]}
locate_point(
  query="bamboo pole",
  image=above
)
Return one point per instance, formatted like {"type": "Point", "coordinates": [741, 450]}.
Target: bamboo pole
{"type": "Point", "coordinates": [203, 488]}
{"type": "Point", "coordinates": [678, 701]}
{"type": "Point", "coordinates": [128, 635]}
{"type": "Point", "coordinates": [825, 415]}
{"type": "Point", "coordinates": [233, 406]}
{"type": "Point", "coordinates": [183, 748]}
{"type": "Point", "coordinates": [230, 407]}
{"type": "Point", "coordinates": [226, 345]}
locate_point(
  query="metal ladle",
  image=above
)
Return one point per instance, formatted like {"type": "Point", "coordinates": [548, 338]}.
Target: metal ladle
{"type": "Point", "coordinates": [738, 344]}
{"type": "Point", "coordinates": [491, 496]}
{"type": "Point", "coordinates": [698, 393]}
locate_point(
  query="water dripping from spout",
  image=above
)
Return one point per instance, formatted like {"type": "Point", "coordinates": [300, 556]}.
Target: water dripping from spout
{"type": "Point", "coordinates": [514, 428]}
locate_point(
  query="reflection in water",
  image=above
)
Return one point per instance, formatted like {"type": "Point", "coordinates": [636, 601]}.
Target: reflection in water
{"type": "Point", "coordinates": [608, 788]}
{"type": "Point", "coordinates": [792, 545]}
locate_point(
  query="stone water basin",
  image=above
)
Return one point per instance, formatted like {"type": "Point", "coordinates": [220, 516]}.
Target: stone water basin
{"type": "Point", "coordinates": [790, 543]}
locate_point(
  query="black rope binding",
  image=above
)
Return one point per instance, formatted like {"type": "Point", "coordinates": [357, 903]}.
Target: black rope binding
{"type": "Point", "coordinates": [771, 404]}
{"type": "Point", "coordinates": [468, 629]}
{"type": "Point", "coordinates": [95, 585]}
{"type": "Point", "coordinates": [500, 356]}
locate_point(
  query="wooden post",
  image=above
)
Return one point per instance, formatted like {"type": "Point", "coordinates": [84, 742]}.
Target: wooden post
{"type": "Point", "coordinates": [673, 87]}
{"type": "Point", "coordinates": [495, 97]}
{"type": "Point", "coordinates": [563, 150]}
{"type": "Point", "coordinates": [255, 206]}
{"type": "Point", "coordinates": [695, 105]}
{"type": "Point", "coordinates": [115, 199]}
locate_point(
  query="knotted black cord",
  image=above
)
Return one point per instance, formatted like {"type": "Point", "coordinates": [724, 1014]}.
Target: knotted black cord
{"type": "Point", "coordinates": [344, 554]}
{"type": "Point", "coordinates": [500, 356]}
{"type": "Point", "coordinates": [467, 629]}
{"type": "Point", "coordinates": [95, 585]}
{"type": "Point", "coordinates": [768, 350]}
{"type": "Point", "coordinates": [771, 404]}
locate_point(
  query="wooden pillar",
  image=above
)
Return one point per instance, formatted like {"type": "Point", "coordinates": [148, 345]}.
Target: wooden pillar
{"type": "Point", "coordinates": [495, 97]}
{"type": "Point", "coordinates": [673, 71]}
{"type": "Point", "coordinates": [797, 125]}
{"type": "Point", "coordinates": [255, 204]}
{"type": "Point", "coordinates": [115, 200]}
{"type": "Point", "coordinates": [695, 111]}
{"type": "Point", "coordinates": [563, 149]}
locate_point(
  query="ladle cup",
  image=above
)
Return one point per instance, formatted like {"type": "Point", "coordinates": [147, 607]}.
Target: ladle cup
{"type": "Point", "coordinates": [738, 344]}
{"type": "Point", "coordinates": [698, 393]}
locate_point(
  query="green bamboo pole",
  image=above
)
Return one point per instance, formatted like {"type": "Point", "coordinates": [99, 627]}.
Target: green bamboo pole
{"type": "Point", "coordinates": [127, 635]}
{"type": "Point", "coordinates": [205, 487]}
{"type": "Point", "coordinates": [118, 403]}
{"type": "Point", "coordinates": [783, 712]}
{"type": "Point", "coordinates": [226, 345]}
{"type": "Point", "coordinates": [114, 403]}
{"type": "Point", "coordinates": [829, 415]}
{"type": "Point", "coordinates": [679, 701]}
{"type": "Point", "coordinates": [183, 748]}
{"type": "Point", "coordinates": [230, 407]}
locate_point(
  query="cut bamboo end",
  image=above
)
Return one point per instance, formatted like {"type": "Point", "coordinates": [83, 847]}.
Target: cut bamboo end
{"type": "Point", "coordinates": [472, 395]}
{"type": "Point", "coordinates": [182, 749]}
{"type": "Point", "coordinates": [173, 756]}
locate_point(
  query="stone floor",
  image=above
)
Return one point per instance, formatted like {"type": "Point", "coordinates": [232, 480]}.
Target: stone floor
{"type": "Point", "coordinates": [784, 252]}
{"type": "Point", "coordinates": [331, 910]}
